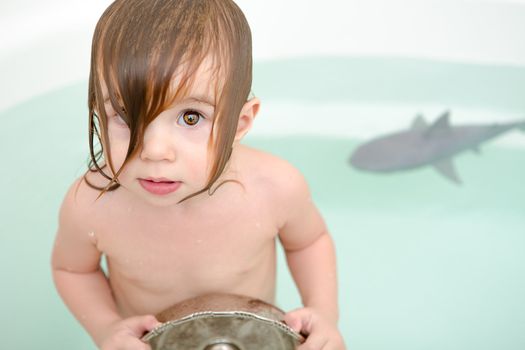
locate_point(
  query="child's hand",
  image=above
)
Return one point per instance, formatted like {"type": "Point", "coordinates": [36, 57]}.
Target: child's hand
{"type": "Point", "coordinates": [321, 333]}
{"type": "Point", "coordinates": [126, 334]}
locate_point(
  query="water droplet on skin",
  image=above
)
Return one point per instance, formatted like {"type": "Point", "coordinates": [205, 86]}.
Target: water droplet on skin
{"type": "Point", "coordinates": [92, 237]}
{"type": "Point", "coordinates": [130, 209]}
{"type": "Point", "coordinates": [258, 224]}
{"type": "Point", "coordinates": [199, 241]}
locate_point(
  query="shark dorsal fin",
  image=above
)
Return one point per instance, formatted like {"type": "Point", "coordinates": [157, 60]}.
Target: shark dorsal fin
{"type": "Point", "coordinates": [446, 168]}
{"type": "Point", "coordinates": [419, 123]}
{"type": "Point", "coordinates": [440, 127]}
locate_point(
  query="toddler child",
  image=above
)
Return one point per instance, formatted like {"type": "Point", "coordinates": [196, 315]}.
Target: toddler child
{"type": "Point", "coordinates": [178, 207]}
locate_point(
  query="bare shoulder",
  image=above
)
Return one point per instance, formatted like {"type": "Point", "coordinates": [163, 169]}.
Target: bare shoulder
{"type": "Point", "coordinates": [80, 198]}
{"type": "Point", "coordinates": [74, 246]}
{"type": "Point", "coordinates": [285, 180]}
{"type": "Point", "coordinates": [298, 219]}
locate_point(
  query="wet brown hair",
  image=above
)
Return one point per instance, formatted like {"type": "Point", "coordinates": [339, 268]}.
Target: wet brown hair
{"type": "Point", "coordinates": [138, 46]}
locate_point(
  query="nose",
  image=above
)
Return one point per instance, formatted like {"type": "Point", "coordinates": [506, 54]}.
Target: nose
{"type": "Point", "coordinates": [158, 143]}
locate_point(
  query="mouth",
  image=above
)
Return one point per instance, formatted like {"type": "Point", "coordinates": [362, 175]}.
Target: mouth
{"type": "Point", "coordinates": [158, 179]}
{"type": "Point", "coordinates": [159, 186]}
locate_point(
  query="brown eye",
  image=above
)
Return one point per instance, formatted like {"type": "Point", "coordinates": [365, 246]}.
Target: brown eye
{"type": "Point", "coordinates": [190, 118]}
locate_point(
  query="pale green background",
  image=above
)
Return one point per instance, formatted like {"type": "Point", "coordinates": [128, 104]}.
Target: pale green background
{"type": "Point", "coordinates": [423, 263]}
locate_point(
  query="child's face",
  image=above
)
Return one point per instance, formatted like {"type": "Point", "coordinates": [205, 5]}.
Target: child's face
{"type": "Point", "coordinates": [175, 146]}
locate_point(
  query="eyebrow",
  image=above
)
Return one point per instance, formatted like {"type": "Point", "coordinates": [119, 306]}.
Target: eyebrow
{"type": "Point", "coordinates": [197, 99]}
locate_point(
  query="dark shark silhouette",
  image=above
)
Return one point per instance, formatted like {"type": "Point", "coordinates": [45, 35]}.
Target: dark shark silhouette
{"type": "Point", "coordinates": [424, 145]}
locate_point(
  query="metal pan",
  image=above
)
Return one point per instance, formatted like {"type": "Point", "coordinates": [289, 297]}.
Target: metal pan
{"type": "Point", "coordinates": [222, 322]}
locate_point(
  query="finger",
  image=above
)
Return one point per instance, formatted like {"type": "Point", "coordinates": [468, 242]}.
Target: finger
{"type": "Point", "coordinates": [293, 321]}
{"type": "Point", "coordinates": [140, 324]}
{"type": "Point", "coordinates": [299, 320]}
{"type": "Point", "coordinates": [151, 322]}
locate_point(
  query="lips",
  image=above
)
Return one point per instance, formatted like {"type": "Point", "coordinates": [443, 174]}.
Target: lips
{"type": "Point", "coordinates": [159, 186]}
{"type": "Point", "coordinates": [158, 179]}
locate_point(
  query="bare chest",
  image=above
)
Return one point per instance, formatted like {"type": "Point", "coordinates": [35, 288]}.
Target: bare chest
{"type": "Point", "coordinates": [188, 253]}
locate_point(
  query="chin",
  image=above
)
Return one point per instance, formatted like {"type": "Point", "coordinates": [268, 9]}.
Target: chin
{"type": "Point", "coordinates": [162, 202]}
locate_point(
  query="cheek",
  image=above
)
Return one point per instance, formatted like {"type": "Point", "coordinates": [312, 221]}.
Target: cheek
{"type": "Point", "coordinates": [196, 154]}
{"type": "Point", "coordinates": [198, 164]}
{"type": "Point", "coordinates": [119, 141]}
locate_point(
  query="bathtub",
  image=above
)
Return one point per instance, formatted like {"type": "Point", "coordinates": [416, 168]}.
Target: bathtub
{"type": "Point", "coordinates": [422, 263]}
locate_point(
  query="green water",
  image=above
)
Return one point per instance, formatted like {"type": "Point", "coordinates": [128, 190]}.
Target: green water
{"type": "Point", "coordinates": [391, 80]}
{"type": "Point", "coordinates": [423, 263]}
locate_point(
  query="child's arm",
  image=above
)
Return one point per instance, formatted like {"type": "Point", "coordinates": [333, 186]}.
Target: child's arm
{"type": "Point", "coordinates": [82, 284]}
{"type": "Point", "coordinates": [310, 254]}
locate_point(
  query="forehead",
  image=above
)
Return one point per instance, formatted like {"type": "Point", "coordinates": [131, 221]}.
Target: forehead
{"type": "Point", "coordinates": [202, 84]}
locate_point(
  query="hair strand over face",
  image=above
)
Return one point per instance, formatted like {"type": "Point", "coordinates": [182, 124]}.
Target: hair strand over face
{"type": "Point", "coordinates": [139, 46]}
